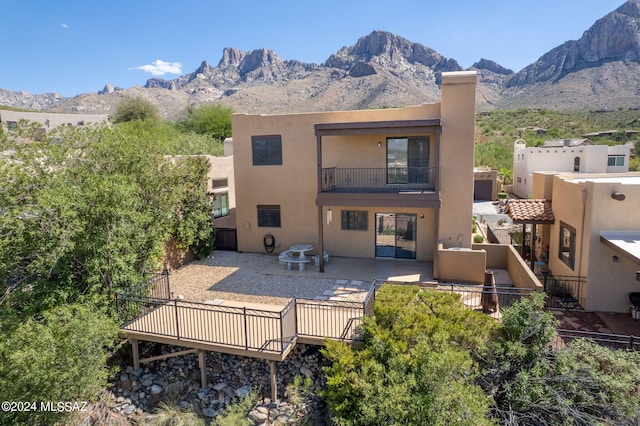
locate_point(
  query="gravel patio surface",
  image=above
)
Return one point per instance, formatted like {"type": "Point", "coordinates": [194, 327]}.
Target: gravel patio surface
{"type": "Point", "coordinates": [241, 277]}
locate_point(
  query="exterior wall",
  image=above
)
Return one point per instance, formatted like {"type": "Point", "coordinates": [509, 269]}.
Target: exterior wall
{"type": "Point", "coordinates": [449, 261]}
{"type": "Point", "coordinates": [457, 159]}
{"type": "Point", "coordinates": [350, 243]}
{"type": "Point", "coordinates": [619, 150]}
{"type": "Point", "coordinates": [294, 184]}
{"type": "Point", "coordinates": [609, 283]}
{"type": "Point", "coordinates": [593, 159]}
{"type": "Point", "coordinates": [584, 202]}
{"type": "Point", "coordinates": [49, 120]}
{"type": "Point", "coordinates": [503, 256]}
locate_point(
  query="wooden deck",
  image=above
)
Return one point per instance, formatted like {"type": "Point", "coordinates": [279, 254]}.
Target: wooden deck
{"type": "Point", "coordinates": [246, 329]}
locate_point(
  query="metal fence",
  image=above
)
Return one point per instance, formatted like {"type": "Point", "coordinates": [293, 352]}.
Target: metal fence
{"type": "Point", "coordinates": [241, 327]}
{"type": "Point", "coordinates": [563, 292]}
{"type": "Point", "coordinates": [335, 319]}
{"type": "Point", "coordinates": [244, 328]}
{"type": "Point", "coordinates": [612, 341]}
{"type": "Point", "coordinates": [471, 295]}
{"type": "Point", "coordinates": [389, 179]}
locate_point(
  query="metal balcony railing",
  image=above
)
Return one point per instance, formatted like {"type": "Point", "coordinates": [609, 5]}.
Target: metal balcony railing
{"type": "Point", "coordinates": [391, 179]}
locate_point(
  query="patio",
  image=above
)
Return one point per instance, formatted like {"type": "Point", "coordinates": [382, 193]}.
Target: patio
{"type": "Point", "coordinates": [259, 278]}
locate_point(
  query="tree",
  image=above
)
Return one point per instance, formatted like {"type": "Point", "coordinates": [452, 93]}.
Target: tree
{"type": "Point", "coordinates": [193, 227]}
{"type": "Point", "coordinates": [415, 365]}
{"type": "Point", "coordinates": [131, 109]}
{"type": "Point", "coordinates": [59, 355]}
{"type": "Point", "coordinates": [212, 120]}
{"type": "Point", "coordinates": [584, 384]}
{"type": "Point", "coordinates": [91, 213]}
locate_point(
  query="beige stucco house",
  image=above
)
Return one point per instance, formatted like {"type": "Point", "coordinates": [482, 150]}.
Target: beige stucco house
{"type": "Point", "coordinates": [48, 120]}
{"type": "Point", "coordinates": [387, 183]}
{"type": "Point", "coordinates": [595, 234]}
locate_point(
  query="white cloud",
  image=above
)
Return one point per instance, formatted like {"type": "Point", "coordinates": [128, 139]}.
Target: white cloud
{"type": "Point", "coordinates": [65, 26]}
{"type": "Point", "coordinates": [159, 67]}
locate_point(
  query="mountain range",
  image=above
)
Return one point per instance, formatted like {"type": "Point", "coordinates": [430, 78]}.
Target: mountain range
{"type": "Point", "coordinates": [599, 71]}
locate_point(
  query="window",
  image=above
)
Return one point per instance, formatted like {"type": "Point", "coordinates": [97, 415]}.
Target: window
{"type": "Point", "coordinates": [576, 164]}
{"type": "Point", "coordinates": [567, 252]}
{"type": "Point", "coordinates": [408, 160]}
{"type": "Point", "coordinates": [269, 216]}
{"type": "Point", "coordinates": [221, 205]}
{"type": "Point", "coordinates": [267, 150]}
{"type": "Point", "coordinates": [355, 220]}
{"type": "Point", "coordinates": [615, 160]}
{"type": "Point", "coordinates": [219, 183]}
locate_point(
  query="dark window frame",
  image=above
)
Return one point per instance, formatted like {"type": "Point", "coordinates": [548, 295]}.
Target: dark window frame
{"type": "Point", "coordinates": [269, 216]}
{"type": "Point", "coordinates": [354, 220]}
{"type": "Point", "coordinates": [408, 164]}
{"type": "Point", "coordinates": [220, 210]}
{"type": "Point", "coordinates": [266, 150]}
{"type": "Point", "coordinates": [567, 245]}
{"type": "Point", "coordinates": [615, 159]}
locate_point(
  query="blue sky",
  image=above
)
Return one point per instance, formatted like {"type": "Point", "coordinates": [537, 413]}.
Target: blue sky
{"type": "Point", "coordinates": [72, 47]}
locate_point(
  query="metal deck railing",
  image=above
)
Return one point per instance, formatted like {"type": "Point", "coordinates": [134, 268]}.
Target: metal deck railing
{"type": "Point", "coordinates": [250, 329]}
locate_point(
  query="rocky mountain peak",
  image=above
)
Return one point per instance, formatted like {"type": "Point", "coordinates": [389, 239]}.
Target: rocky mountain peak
{"type": "Point", "coordinates": [387, 49]}
{"type": "Point", "coordinates": [266, 59]}
{"type": "Point", "coordinates": [488, 65]}
{"type": "Point", "coordinates": [631, 8]}
{"type": "Point", "coordinates": [615, 37]}
{"type": "Point", "coordinates": [231, 57]}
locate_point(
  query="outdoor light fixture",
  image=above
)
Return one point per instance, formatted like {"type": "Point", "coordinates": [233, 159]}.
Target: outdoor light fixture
{"type": "Point", "coordinates": [379, 144]}
{"type": "Point", "coordinates": [618, 196]}
{"type": "Point", "coordinates": [615, 258]}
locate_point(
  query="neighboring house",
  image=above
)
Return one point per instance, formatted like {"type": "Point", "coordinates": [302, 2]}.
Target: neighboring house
{"type": "Point", "coordinates": [49, 120]}
{"type": "Point", "coordinates": [222, 189]}
{"type": "Point", "coordinates": [595, 234]}
{"type": "Point", "coordinates": [485, 183]}
{"type": "Point", "coordinates": [387, 183]}
{"type": "Point", "coordinates": [567, 155]}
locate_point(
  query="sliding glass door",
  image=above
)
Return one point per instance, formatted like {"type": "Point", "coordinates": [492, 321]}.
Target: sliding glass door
{"type": "Point", "coordinates": [396, 235]}
{"type": "Point", "coordinates": [408, 160]}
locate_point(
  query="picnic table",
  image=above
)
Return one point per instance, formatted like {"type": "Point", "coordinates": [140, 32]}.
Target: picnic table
{"type": "Point", "coordinates": [295, 256]}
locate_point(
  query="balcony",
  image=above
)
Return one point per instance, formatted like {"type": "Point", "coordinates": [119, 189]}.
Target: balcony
{"type": "Point", "coordinates": [379, 180]}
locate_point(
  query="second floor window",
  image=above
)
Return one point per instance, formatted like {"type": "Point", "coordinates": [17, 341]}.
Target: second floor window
{"type": "Point", "coordinates": [267, 150]}
{"type": "Point", "coordinates": [615, 160]}
{"type": "Point", "coordinates": [408, 160]}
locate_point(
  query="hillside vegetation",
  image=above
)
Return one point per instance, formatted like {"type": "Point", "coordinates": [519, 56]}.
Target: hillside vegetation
{"type": "Point", "coordinates": [496, 131]}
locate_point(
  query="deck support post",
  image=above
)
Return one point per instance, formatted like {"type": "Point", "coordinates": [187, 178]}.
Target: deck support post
{"type": "Point", "coordinates": [136, 353]}
{"type": "Point", "coordinates": [203, 370]}
{"type": "Point", "coordinates": [274, 382]}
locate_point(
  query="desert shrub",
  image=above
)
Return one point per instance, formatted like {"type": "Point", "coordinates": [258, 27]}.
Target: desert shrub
{"type": "Point", "coordinates": [415, 365]}
{"type": "Point", "coordinates": [58, 355]}
{"type": "Point", "coordinates": [584, 384]}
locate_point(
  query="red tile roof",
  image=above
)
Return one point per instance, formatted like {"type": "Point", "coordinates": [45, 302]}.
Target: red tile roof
{"type": "Point", "coordinates": [530, 211]}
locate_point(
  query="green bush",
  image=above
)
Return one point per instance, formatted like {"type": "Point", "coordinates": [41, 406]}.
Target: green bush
{"type": "Point", "coordinates": [415, 365]}
{"type": "Point", "coordinates": [478, 239]}
{"type": "Point", "coordinates": [584, 384]}
{"type": "Point", "coordinates": [59, 355]}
